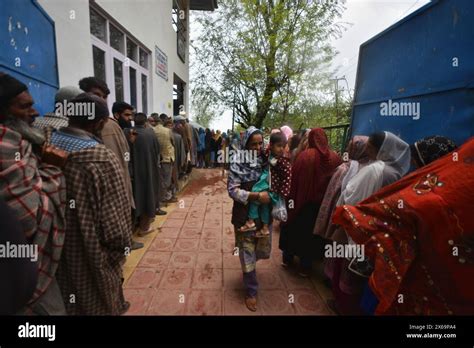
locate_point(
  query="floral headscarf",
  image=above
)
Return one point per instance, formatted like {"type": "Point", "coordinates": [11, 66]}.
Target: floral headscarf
{"type": "Point", "coordinates": [250, 168]}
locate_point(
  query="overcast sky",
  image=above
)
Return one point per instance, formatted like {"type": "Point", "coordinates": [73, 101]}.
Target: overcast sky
{"type": "Point", "coordinates": [367, 18]}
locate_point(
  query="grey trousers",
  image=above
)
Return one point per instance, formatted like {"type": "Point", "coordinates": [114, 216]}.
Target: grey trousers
{"type": "Point", "coordinates": [165, 176]}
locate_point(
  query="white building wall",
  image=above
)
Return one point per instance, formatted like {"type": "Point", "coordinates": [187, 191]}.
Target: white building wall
{"type": "Point", "coordinates": [73, 40]}
{"type": "Point", "coordinates": [149, 21]}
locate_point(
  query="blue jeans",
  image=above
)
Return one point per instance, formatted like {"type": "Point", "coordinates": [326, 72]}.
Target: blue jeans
{"type": "Point", "coordinates": [251, 284]}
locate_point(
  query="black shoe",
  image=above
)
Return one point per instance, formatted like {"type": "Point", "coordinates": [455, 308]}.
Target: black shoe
{"type": "Point", "coordinates": [137, 245]}
{"type": "Point", "coordinates": [126, 307]}
{"type": "Point", "coordinates": [161, 212]}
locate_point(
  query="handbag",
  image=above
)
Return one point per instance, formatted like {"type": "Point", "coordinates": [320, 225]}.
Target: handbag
{"type": "Point", "coordinates": [279, 210]}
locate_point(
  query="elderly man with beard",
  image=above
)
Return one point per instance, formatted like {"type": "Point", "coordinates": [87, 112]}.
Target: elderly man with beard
{"type": "Point", "coordinates": [34, 190]}
{"type": "Point", "coordinates": [98, 216]}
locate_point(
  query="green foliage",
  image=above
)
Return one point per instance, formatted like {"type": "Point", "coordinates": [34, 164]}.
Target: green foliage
{"type": "Point", "coordinates": [269, 58]}
{"type": "Point", "coordinates": [202, 105]}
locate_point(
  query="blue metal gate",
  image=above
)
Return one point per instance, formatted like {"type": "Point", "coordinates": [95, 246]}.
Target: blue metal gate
{"type": "Point", "coordinates": [28, 49]}
{"type": "Point", "coordinates": [425, 58]}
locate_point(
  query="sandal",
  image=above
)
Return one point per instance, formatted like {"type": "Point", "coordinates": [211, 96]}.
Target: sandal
{"type": "Point", "coordinates": [251, 303]}
{"type": "Point", "coordinates": [248, 227]}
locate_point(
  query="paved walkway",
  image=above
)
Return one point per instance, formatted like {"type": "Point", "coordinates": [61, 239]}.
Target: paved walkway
{"type": "Point", "coordinates": [188, 268]}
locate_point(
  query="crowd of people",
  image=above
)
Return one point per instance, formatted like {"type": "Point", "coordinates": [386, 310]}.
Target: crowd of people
{"type": "Point", "coordinates": [100, 177]}
{"type": "Point", "coordinates": [95, 176]}
{"type": "Point", "coordinates": [414, 230]}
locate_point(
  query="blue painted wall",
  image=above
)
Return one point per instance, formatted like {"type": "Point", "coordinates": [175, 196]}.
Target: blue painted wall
{"type": "Point", "coordinates": [412, 61]}
{"type": "Point", "coordinates": [27, 33]}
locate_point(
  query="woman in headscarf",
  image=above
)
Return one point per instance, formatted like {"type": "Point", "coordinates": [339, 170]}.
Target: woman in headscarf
{"type": "Point", "coordinates": [391, 157]}
{"type": "Point", "coordinates": [311, 173]}
{"type": "Point", "coordinates": [336, 268]}
{"type": "Point", "coordinates": [357, 158]}
{"type": "Point", "coordinates": [419, 233]}
{"type": "Point", "coordinates": [243, 174]}
{"type": "Point", "coordinates": [287, 131]}
{"type": "Point", "coordinates": [390, 160]}
{"type": "Point", "coordinates": [428, 149]}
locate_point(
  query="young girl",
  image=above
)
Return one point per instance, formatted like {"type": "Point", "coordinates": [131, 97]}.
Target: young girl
{"type": "Point", "coordinates": [276, 179]}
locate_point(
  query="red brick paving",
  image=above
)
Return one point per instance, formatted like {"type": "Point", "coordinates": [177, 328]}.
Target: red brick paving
{"type": "Point", "coordinates": [144, 278]}
{"type": "Point", "coordinates": [190, 268]}
{"type": "Point", "coordinates": [186, 245]}
{"type": "Point", "coordinates": [162, 244]}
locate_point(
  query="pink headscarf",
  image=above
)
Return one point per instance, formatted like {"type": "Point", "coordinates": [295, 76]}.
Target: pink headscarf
{"type": "Point", "coordinates": [287, 131]}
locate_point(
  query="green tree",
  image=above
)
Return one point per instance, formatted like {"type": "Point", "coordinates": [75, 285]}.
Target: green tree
{"type": "Point", "coordinates": [266, 56]}
{"type": "Point", "coordinates": [202, 106]}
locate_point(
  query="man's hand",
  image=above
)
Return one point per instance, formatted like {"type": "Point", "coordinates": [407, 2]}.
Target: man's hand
{"type": "Point", "coordinates": [54, 156]}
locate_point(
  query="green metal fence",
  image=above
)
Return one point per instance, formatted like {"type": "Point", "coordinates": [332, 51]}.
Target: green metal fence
{"type": "Point", "coordinates": [337, 136]}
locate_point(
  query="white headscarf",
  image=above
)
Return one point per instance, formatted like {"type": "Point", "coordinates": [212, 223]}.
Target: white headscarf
{"type": "Point", "coordinates": [395, 153]}
{"type": "Point", "coordinates": [393, 161]}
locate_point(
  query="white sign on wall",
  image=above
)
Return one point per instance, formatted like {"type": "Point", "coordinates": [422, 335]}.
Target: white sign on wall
{"type": "Point", "coordinates": [161, 63]}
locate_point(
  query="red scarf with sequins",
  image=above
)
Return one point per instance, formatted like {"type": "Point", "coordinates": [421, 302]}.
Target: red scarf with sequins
{"type": "Point", "coordinates": [419, 232]}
